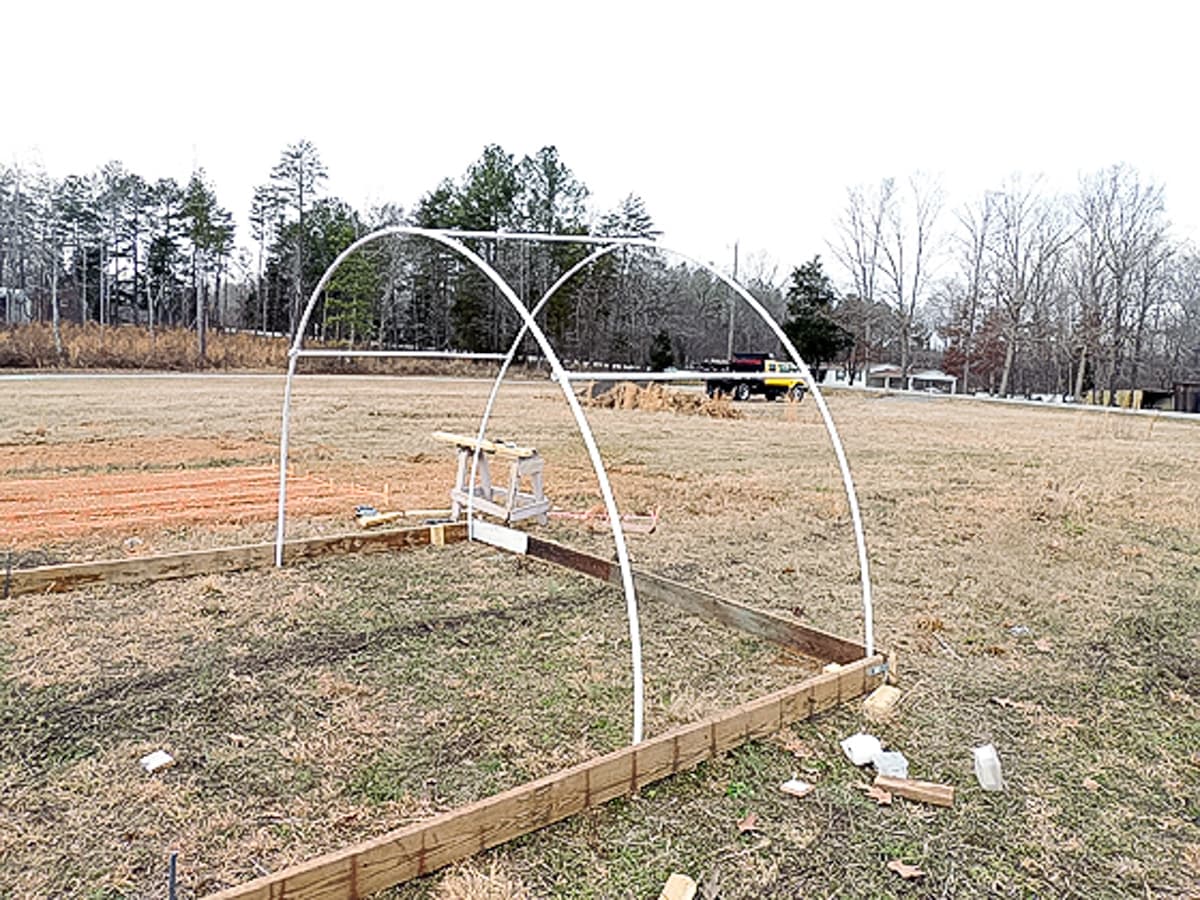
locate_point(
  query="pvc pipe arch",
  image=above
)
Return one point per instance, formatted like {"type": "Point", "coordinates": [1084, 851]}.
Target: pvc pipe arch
{"type": "Point", "coordinates": [452, 240]}
{"type": "Point", "coordinates": [835, 440]}
{"type": "Point", "coordinates": [557, 369]}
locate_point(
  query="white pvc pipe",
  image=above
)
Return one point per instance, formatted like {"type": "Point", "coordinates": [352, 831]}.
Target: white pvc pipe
{"type": "Point", "coordinates": [860, 540]}
{"type": "Point", "coordinates": [281, 512]}
{"type": "Point", "coordinates": [402, 354]}
{"type": "Point", "coordinates": [447, 240]}
{"type": "Point", "coordinates": [589, 441]}
{"type": "Point", "coordinates": [678, 375]}
{"type": "Point", "coordinates": [835, 440]}
{"type": "Point", "coordinates": [610, 503]}
{"type": "Point", "coordinates": [450, 239]}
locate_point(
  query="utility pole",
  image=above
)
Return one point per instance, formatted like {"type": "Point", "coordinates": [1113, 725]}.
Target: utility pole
{"type": "Point", "coordinates": [732, 304]}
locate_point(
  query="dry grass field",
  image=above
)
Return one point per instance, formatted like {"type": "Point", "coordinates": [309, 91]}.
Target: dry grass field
{"type": "Point", "coordinates": [1037, 574]}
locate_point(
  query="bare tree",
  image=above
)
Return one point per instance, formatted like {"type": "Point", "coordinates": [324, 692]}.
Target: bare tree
{"type": "Point", "coordinates": [1121, 221]}
{"type": "Point", "coordinates": [1026, 246]}
{"type": "Point", "coordinates": [909, 242]}
{"type": "Point", "coordinates": [858, 248]}
{"type": "Point", "coordinates": [975, 226]}
{"type": "Point", "coordinates": [860, 234]}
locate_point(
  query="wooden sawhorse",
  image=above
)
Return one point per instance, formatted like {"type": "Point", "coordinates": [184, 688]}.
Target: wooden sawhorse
{"type": "Point", "coordinates": [509, 504]}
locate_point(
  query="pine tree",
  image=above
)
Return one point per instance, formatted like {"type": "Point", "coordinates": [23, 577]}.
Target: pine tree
{"type": "Point", "coordinates": [296, 179]}
{"type": "Point", "coordinates": [811, 299]}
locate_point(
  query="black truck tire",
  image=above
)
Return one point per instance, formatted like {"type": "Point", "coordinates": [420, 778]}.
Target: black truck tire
{"type": "Point", "coordinates": [741, 391]}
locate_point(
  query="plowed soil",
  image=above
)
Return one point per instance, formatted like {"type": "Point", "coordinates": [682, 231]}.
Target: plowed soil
{"type": "Point", "coordinates": [37, 510]}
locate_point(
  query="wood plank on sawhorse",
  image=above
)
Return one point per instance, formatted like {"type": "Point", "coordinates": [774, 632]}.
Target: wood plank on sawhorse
{"type": "Point", "coordinates": [509, 504]}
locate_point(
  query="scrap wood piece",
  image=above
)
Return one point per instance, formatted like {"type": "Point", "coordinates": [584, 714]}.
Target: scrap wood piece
{"type": "Point", "coordinates": [904, 870]}
{"type": "Point", "coordinates": [881, 702]}
{"type": "Point", "coordinates": [375, 519]}
{"type": "Point", "coordinates": [678, 887]}
{"type": "Point", "coordinates": [921, 791]}
{"type": "Point", "coordinates": [470, 442]}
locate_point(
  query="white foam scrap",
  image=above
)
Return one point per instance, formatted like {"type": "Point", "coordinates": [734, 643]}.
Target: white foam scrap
{"type": "Point", "coordinates": [159, 759]}
{"type": "Point", "coordinates": [861, 749]}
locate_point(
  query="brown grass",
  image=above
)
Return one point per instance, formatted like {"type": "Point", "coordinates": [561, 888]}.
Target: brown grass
{"type": "Point", "coordinates": [94, 346]}
{"type": "Point", "coordinates": [318, 706]}
{"type": "Point", "coordinates": [469, 882]}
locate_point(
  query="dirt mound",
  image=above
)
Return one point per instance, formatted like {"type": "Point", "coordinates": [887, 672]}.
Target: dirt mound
{"type": "Point", "coordinates": [657, 398]}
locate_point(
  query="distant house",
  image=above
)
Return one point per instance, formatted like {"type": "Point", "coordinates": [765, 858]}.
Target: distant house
{"type": "Point", "coordinates": [1183, 396]}
{"type": "Point", "coordinates": [1187, 396]}
{"type": "Point", "coordinates": [889, 377]}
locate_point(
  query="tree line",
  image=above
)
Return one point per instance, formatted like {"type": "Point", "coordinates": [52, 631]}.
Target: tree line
{"type": "Point", "coordinates": [113, 247]}
{"type": "Point", "coordinates": [1020, 290]}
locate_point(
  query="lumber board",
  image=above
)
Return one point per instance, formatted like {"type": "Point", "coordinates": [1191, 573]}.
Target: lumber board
{"type": "Point", "coordinates": [414, 850]}
{"type": "Point", "coordinates": [922, 791]}
{"type": "Point", "coordinates": [470, 442]}
{"type": "Point", "coordinates": [770, 626]}
{"type": "Point", "coordinates": [69, 576]}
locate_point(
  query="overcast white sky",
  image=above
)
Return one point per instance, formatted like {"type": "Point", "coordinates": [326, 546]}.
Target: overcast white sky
{"type": "Point", "coordinates": [734, 121]}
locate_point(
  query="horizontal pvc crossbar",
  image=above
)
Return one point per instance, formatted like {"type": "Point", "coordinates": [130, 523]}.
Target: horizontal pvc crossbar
{"type": "Point", "coordinates": [680, 376]}
{"type": "Point", "coordinates": [630, 241]}
{"type": "Point", "coordinates": [403, 354]}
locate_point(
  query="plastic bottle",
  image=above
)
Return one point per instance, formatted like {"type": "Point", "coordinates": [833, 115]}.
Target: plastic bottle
{"type": "Point", "coordinates": [987, 768]}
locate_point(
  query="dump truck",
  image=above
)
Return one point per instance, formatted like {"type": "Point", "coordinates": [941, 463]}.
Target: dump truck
{"type": "Point", "coordinates": [783, 378]}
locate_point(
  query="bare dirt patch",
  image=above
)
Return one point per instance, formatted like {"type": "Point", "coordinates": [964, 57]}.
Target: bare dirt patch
{"type": "Point", "coordinates": [98, 453]}
{"type": "Point", "coordinates": [56, 509]}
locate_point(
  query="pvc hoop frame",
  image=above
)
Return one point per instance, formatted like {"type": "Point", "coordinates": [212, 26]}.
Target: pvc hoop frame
{"type": "Point", "coordinates": [449, 239]}
{"type": "Point", "coordinates": [835, 440]}
{"type": "Point", "coordinates": [452, 240]}
{"type": "Point", "coordinates": [678, 375]}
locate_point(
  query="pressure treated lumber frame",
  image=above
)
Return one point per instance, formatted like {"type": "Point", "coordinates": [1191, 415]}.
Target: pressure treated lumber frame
{"type": "Point", "coordinates": [418, 849]}
{"type": "Point", "coordinates": [421, 848]}
{"type": "Point", "coordinates": [69, 576]}
{"type": "Point", "coordinates": [760, 623]}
